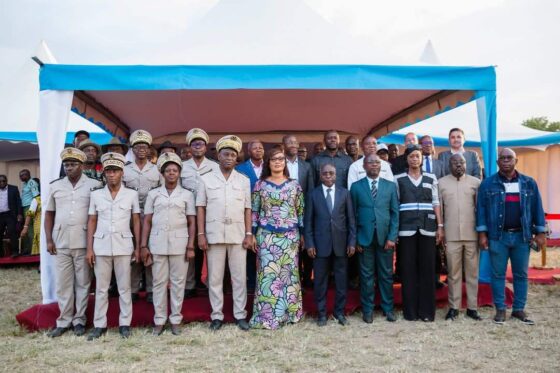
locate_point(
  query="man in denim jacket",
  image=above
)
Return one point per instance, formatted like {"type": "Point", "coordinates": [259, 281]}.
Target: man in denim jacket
{"type": "Point", "coordinates": [509, 216]}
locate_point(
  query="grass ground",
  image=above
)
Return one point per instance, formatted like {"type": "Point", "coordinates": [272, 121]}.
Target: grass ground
{"type": "Point", "coordinates": [463, 345]}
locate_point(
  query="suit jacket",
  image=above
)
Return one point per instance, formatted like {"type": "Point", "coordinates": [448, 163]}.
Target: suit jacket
{"type": "Point", "coordinates": [385, 211]}
{"type": "Point", "coordinates": [473, 163]}
{"type": "Point", "coordinates": [325, 231]}
{"type": "Point", "coordinates": [14, 201]}
{"type": "Point", "coordinates": [436, 167]}
{"type": "Point", "coordinates": [305, 176]}
{"type": "Point", "coordinates": [246, 168]}
{"type": "Point", "coordinates": [399, 165]}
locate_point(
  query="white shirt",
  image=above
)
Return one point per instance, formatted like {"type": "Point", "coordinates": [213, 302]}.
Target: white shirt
{"type": "Point", "coordinates": [257, 169]}
{"type": "Point", "coordinates": [357, 172]}
{"type": "Point", "coordinates": [4, 207]}
{"type": "Point", "coordinates": [325, 192]}
{"type": "Point", "coordinates": [424, 163]}
{"type": "Point", "coordinates": [370, 180]}
{"type": "Point", "coordinates": [293, 168]}
{"type": "Point", "coordinates": [460, 151]}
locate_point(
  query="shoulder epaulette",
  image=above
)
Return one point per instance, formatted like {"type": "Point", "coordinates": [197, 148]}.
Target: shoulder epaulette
{"type": "Point", "coordinates": [96, 188]}
{"type": "Point", "coordinates": [155, 187]}
{"type": "Point", "coordinates": [127, 163]}
{"type": "Point", "coordinates": [93, 178]}
{"type": "Point", "coordinates": [129, 187]}
{"type": "Point", "coordinates": [205, 172]}
{"type": "Point", "coordinates": [60, 178]}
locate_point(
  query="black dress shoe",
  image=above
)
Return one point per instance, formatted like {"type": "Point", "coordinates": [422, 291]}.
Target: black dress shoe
{"type": "Point", "coordinates": [368, 318]}
{"type": "Point", "coordinates": [134, 297]}
{"type": "Point", "coordinates": [215, 325]}
{"type": "Point", "coordinates": [342, 320]}
{"type": "Point", "coordinates": [190, 293]}
{"type": "Point", "coordinates": [79, 330]}
{"type": "Point", "coordinates": [473, 314]}
{"type": "Point", "coordinates": [124, 331]}
{"type": "Point", "coordinates": [427, 319]}
{"type": "Point", "coordinates": [57, 332]}
{"type": "Point", "coordinates": [157, 330]}
{"type": "Point", "coordinates": [439, 284]}
{"type": "Point", "coordinates": [390, 316]}
{"type": "Point", "coordinates": [452, 314]}
{"type": "Point", "coordinates": [242, 324]}
{"type": "Point", "coordinates": [150, 297]}
{"type": "Point", "coordinates": [96, 333]}
{"type": "Point", "coordinates": [176, 329]}
{"type": "Point", "coordinates": [322, 321]}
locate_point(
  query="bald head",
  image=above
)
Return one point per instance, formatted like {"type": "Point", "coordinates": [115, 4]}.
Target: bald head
{"type": "Point", "coordinates": [507, 160]}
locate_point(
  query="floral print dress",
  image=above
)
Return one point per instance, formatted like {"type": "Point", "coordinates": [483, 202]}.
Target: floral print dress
{"type": "Point", "coordinates": [277, 219]}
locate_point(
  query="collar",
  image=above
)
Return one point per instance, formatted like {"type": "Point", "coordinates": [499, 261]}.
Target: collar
{"type": "Point", "coordinates": [326, 187]}
{"type": "Point", "coordinates": [325, 153]}
{"type": "Point", "coordinates": [460, 151]}
{"type": "Point", "coordinates": [369, 179]}
{"type": "Point", "coordinates": [294, 162]}
{"type": "Point", "coordinates": [514, 179]}
{"type": "Point", "coordinates": [255, 166]}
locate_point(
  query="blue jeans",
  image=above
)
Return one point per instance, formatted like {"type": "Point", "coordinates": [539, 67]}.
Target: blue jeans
{"type": "Point", "coordinates": [511, 246]}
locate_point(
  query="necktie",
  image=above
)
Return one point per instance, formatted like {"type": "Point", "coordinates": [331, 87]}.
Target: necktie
{"type": "Point", "coordinates": [374, 189]}
{"type": "Point", "coordinates": [428, 165]}
{"type": "Point", "coordinates": [329, 199]}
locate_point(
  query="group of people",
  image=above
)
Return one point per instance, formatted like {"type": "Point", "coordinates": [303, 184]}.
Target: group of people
{"type": "Point", "coordinates": [280, 221]}
{"type": "Point", "coordinates": [20, 215]}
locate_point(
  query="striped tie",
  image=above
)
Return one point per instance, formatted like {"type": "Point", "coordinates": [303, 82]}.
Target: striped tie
{"type": "Point", "coordinates": [374, 189]}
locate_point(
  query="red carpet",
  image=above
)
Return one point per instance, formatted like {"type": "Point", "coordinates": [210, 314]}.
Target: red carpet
{"type": "Point", "coordinates": [30, 259]}
{"type": "Point", "coordinates": [537, 276]}
{"type": "Point", "coordinates": [198, 309]}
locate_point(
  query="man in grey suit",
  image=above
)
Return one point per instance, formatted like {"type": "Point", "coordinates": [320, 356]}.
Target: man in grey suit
{"type": "Point", "coordinates": [302, 172]}
{"type": "Point", "coordinates": [330, 235]}
{"type": "Point", "coordinates": [457, 141]}
{"type": "Point", "coordinates": [429, 163]}
{"type": "Point", "coordinates": [376, 205]}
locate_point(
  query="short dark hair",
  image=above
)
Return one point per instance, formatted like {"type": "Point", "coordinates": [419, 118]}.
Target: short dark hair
{"type": "Point", "coordinates": [456, 129]}
{"type": "Point", "coordinates": [81, 132]}
{"type": "Point", "coordinates": [330, 131]}
{"type": "Point", "coordinates": [327, 164]}
{"type": "Point", "coordinates": [25, 170]}
{"type": "Point", "coordinates": [287, 136]}
{"type": "Point", "coordinates": [4, 177]}
{"type": "Point", "coordinates": [367, 137]}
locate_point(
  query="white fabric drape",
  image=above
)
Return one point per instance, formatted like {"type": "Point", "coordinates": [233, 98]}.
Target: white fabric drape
{"type": "Point", "coordinates": [54, 111]}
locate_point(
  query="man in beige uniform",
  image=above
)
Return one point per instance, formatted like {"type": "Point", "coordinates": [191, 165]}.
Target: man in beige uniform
{"type": "Point", "coordinates": [457, 193]}
{"type": "Point", "coordinates": [141, 175]}
{"type": "Point", "coordinates": [65, 229]}
{"type": "Point", "coordinates": [224, 219]}
{"type": "Point", "coordinates": [111, 244]}
{"type": "Point", "coordinates": [169, 222]}
{"type": "Point", "coordinates": [193, 169]}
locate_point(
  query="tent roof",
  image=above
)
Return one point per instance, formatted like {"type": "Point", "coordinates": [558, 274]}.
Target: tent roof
{"type": "Point", "coordinates": [264, 98]}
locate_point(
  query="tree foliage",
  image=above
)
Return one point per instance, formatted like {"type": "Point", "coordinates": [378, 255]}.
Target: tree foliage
{"type": "Point", "coordinates": [542, 123]}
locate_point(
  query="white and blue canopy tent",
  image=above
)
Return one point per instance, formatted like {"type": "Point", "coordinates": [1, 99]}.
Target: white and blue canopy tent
{"type": "Point", "coordinates": [274, 99]}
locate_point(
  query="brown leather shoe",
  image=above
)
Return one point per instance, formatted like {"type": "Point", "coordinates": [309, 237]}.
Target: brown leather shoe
{"type": "Point", "coordinates": [522, 316]}
{"type": "Point", "coordinates": [157, 330]}
{"type": "Point", "coordinates": [176, 329]}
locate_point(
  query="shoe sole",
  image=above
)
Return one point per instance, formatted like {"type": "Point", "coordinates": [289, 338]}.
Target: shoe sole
{"type": "Point", "coordinates": [498, 322]}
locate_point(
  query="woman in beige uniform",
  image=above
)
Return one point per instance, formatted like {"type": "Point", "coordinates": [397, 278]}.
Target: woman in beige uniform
{"type": "Point", "coordinates": [169, 223]}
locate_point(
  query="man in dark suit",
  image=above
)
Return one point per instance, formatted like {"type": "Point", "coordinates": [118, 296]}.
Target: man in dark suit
{"type": "Point", "coordinates": [376, 203]}
{"type": "Point", "coordinates": [302, 172]}
{"type": "Point", "coordinates": [330, 234]}
{"type": "Point", "coordinates": [457, 141]}
{"type": "Point", "coordinates": [11, 212]}
{"type": "Point", "coordinates": [429, 163]}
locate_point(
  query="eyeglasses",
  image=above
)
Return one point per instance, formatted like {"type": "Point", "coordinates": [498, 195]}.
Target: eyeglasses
{"type": "Point", "coordinates": [278, 159]}
{"type": "Point", "coordinates": [427, 143]}
{"type": "Point", "coordinates": [141, 147]}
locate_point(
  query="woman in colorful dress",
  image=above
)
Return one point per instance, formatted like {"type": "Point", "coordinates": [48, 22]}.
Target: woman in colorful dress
{"type": "Point", "coordinates": [34, 213]}
{"type": "Point", "coordinates": [277, 222]}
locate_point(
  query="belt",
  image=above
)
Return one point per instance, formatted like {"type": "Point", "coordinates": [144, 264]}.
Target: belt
{"type": "Point", "coordinates": [513, 230]}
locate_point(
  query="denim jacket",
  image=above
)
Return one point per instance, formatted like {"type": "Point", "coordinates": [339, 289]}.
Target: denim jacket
{"type": "Point", "coordinates": [490, 207]}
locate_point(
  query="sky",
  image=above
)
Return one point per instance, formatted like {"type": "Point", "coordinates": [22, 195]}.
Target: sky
{"type": "Point", "coordinates": [519, 37]}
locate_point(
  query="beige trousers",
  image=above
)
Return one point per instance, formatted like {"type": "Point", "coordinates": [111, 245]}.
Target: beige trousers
{"type": "Point", "coordinates": [72, 287]}
{"type": "Point", "coordinates": [169, 268]}
{"type": "Point", "coordinates": [237, 261]}
{"type": "Point", "coordinates": [459, 254]}
{"type": "Point", "coordinates": [136, 278]}
{"type": "Point", "coordinates": [103, 269]}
